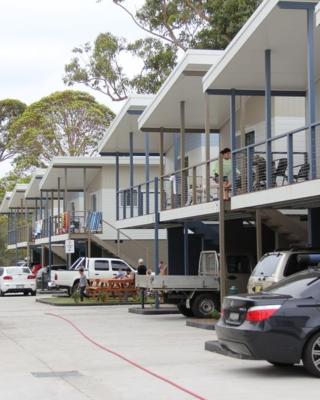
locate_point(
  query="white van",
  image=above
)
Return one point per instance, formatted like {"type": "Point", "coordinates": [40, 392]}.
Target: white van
{"type": "Point", "coordinates": [273, 267]}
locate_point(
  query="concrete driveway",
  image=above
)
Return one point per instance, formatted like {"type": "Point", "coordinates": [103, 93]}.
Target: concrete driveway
{"type": "Point", "coordinates": [45, 357]}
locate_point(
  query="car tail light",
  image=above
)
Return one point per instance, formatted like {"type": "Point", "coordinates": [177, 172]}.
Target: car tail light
{"type": "Point", "coordinates": [7, 278]}
{"type": "Point", "coordinates": [261, 313]}
{"type": "Point", "coordinates": [31, 277]}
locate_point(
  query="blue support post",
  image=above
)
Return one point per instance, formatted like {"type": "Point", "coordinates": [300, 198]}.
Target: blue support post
{"type": "Point", "coordinates": [156, 232]}
{"type": "Point", "coordinates": [249, 169]}
{"type": "Point", "coordinates": [140, 200]}
{"type": "Point", "coordinates": [131, 174]}
{"type": "Point", "coordinates": [290, 158]}
{"type": "Point", "coordinates": [186, 248]}
{"type": "Point", "coordinates": [233, 129]}
{"type": "Point", "coordinates": [124, 196]}
{"type": "Point", "coordinates": [117, 186]}
{"type": "Point", "coordinates": [147, 171]}
{"type": "Point", "coordinates": [268, 116]}
{"type": "Point", "coordinates": [311, 94]}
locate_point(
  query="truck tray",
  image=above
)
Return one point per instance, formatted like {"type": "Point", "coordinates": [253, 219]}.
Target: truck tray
{"type": "Point", "coordinates": [178, 282]}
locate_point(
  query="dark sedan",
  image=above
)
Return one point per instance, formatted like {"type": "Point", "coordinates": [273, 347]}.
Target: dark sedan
{"type": "Point", "coordinates": [280, 325]}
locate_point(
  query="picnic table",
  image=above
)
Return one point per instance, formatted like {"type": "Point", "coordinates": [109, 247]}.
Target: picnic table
{"type": "Point", "coordinates": [111, 287]}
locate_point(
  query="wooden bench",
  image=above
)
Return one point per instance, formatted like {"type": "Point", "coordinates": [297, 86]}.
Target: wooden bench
{"type": "Point", "coordinates": [121, 288]}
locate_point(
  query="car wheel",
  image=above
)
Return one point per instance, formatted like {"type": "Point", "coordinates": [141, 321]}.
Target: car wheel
{"type": "Point", "coordinates": [279, 364]}
{"type": "Point", "coordinates": [311, 355]}
{"type": "Point", "coordinates": [184, 310]}
{"type": "Point", "coordinates": [1, 293]}
{"type": "Point", "coordinates": [25, 293]}
{"type": "Point", "coordinates": [203, 305]}
{"type": "Point", "coordinates": [33, 292]}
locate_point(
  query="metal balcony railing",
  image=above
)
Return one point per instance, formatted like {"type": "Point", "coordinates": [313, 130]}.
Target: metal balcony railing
{"type": "Point", "coordinates": [69, 222]}
{"type": "Point", "coordinates": [21, 234]}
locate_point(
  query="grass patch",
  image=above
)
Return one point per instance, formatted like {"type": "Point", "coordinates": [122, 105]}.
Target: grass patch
{"type": "Point", "coordinates": [66, 301]}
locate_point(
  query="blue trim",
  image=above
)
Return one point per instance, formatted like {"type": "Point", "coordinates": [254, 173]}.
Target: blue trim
{"type": "Point", "coordinates": [292, 5]}
{"type": "Point", "coordinates": [311, 93]}
{"type": "Point", "coordinates": [290, 158]}
{"type": "Point", "coordinates": [156, 233]}
{"type": "Point", "coordinates": [131, 172]}
{"type": "Point", "coordinates": [268, 116]}
{"type": "Point", "coordinates": [233, 128]}
{"type": "Point", "coordinates": [249, 169]}
{"type": "Point", "coordinates": [117, 186]}
{"type": "Point", "coordinates": [147, 171]}
{"type": "Point", "coordinates": [258, 93]}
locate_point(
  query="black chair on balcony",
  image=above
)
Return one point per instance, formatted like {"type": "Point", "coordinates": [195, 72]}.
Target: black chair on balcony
{"type": "Point", "coordinates": [303, 173]}
{"type": "Point", "coordinates": [260, 172]}
{"type": "Point", "coordinates": [280, 171]}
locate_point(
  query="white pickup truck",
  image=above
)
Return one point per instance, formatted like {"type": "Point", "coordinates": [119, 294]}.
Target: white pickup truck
{"type": "Point", "coordinates": [94, 268]}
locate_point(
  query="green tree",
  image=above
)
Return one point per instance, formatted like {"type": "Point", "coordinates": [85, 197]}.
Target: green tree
{"type": "Point", "coordinates": [10, 109]}
{"type": "Point", "coordinates": [68, 123]}
{"type": "Point", "coordinates": [173, 26]}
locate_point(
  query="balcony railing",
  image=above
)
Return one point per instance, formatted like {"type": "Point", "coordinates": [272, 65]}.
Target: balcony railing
{"type": "Point", "coordinates": [22, 234]}
{"type": "Point", "coordinates": [281, 160]}
{"type": "Point", "coordinates": [69, 222]}
{"type": "Point", "coordinates": [181, 188]}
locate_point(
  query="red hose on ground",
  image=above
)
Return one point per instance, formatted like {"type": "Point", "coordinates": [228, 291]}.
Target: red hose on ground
{"type": "Point", "coordinates": [134, 364]}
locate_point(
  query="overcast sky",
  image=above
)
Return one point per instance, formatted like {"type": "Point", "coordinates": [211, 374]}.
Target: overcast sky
{"type": "Point", "coordinates": [37, 36]}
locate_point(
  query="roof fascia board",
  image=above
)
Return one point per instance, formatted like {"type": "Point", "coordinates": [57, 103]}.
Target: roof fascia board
{"type": "Point", "coordinates": [293, 5]}
{"type": "Point", "coordinates": [252, 92]}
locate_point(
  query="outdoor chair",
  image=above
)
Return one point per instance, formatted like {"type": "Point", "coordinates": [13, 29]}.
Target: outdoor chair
{"type": "Point", "coordinates": [280, 171]}
{"type": "Point", "coordinates": [303, 173]}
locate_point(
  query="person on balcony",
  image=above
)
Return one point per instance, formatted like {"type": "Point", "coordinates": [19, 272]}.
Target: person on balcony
{"type": "Point", "coordinates": [227, 172]}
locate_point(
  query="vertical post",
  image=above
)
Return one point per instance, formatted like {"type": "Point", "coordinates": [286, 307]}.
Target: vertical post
{"type": "Point", "coordinates": [117, 187]}
{"type": "Point", "coordinates": [207, 146]}
{"type": "Point", "coordinates": [161, 171]}
{"type": "Point", "coordinates": [186, 248]}
{"type": "Point", "coordinates": [43, 255]}
{"type": "Point", "coordinates": [147, 170]}
{"type": "Point", "coordinates": [259, 234]}
{"type": "Point", "coordinates": [84, 196]}
{"type": "Point", "coordinates": [268, 116]}
{"type": "Point", "coordinates": [140, 201]}
{"type": "Point", "coordinates": [156, 232]}
{"type": "Point", "coordinates": [58, 220]}
{"type": "Point", "coordinates": [36, 213]}
{"type": "Point", "coordinates": [194, 185]}
{"type": "Point", "coordinates": [131, 173]}
{"type": "Point", "coordinates": [50, 247]}
{"type": "Point", "coordinates": [41, 205]}
{"type": "Point", "coordinates": [223, 265]}
{"type": "Point", "coordinates": [249, 168]}
{"type": "Point", "coordinates": [290, 158]}
{"type": "Point", "coordinates": [233, 130]}
{"type": "Point", "coordinates": [182, 151]}
{"type": "Point", "coordinates": [65, 190]}
{"type": "Point", "coordinates": [52, 204]}
{"type": "Point", "coordinates": [47, 213]}
{"type": "Point", "coordinates": [118, 242]}
{"type": "Point", "coordinates": [311, 94]}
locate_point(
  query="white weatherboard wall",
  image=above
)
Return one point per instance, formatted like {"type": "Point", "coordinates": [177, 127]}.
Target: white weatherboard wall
{"type": "Point", "coordinates": [287, 114]}
{"type": "Point", "coordinates": [104, 188]}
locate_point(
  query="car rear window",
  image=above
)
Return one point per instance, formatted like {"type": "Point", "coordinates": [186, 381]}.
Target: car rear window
{"type": "Point", "coordinates": [300, 285]}
{"type": "Point", "coordinates": [17, 270]}
{"type": "Point", "coordinates": [267, 264]}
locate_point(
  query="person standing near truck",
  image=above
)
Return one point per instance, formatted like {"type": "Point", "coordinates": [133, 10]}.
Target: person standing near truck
{"type": "Point", "coordinates": [82, 284]}
{"type": "Point", "coordinates": [142, 269]}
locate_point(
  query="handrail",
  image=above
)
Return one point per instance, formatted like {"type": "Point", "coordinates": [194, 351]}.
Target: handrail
{"type": "Point", "coordinates": [119, 231]}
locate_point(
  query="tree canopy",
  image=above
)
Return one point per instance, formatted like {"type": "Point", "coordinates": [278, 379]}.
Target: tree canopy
{"type": "Point", "coordinates": [173, 26]}
{"type": "Point", "coordinates": [68, 123]}
{"type": "Point", "coordinates": [10, 109]}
